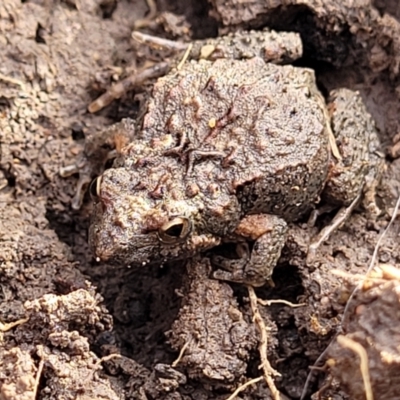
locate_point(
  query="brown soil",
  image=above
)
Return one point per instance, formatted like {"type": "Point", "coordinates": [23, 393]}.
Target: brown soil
{"type": "Point", "coordinates": [85, 330]}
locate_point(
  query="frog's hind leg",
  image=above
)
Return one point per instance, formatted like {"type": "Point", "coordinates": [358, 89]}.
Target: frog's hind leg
{"type": "Point", "coordinates": [254, 267]}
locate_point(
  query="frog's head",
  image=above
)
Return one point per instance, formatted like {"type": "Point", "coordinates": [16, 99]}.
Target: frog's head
{"type": "Point", "coordinates": [147, 210]}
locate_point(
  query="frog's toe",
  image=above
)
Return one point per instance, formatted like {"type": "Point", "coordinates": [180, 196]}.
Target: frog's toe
{"type": "Point", "coordinates": [227, 276]}
{"type": "Point", "coordinates": [235, 270]}
{"type": "Point", "coordinates": [68, 170]}
{"type": "Point", "coordinates": [83, 183]}
{"type": "Point", "coordinates": [228, 264]}
{"type": "Point", "coordinates": [239, 276]}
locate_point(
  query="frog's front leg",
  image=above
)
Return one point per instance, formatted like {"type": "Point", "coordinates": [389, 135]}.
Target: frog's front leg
{"type": "Point", "coordinates": [255, 267]}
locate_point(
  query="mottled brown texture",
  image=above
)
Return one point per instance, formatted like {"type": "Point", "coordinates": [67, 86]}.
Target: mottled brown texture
{"type": "Point", "coordinates": [373, 321]}
{"type": "Point", "coordinates": [338, 32]}
{"type": "Point", "coordinates": [18, 375]}
{"type": "Point", "coordinates": [210, 325]}
{"type": "Point", "coordinates": [271, 46]}
{"type": "Point", "coordinates": [57, 331]}
{"type": "Point", "coordinates": [44, 242]}
{"type": "Point", "coordinates": [220, 141]}
{"type": "Point", "coordinates": [100, 148]}
{"type": "Point", "coordinates": [359, 147]}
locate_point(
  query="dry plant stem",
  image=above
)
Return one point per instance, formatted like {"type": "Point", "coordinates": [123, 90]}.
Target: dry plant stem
{"type": "Point", "coordinates": [181, 353]}
{"type": "Point", "coordinates": [333, 145]}
{"type": "Point", "coordinates": [185, 56]}
{"type": "Point", "coordinates": [358, 287]}
{"type": "Point", "coordinates": [244, 386]}
{"type": "Point", "coordinates": [37, 380]}
{"type": "Point", "coordinates": [362, 353]}
{"type": "Point", "coordinates": [117, 90]}
{"type": "Point", "coordinates": [157, 42]}
{"type": "Point", "coordinates": [10, 325]}
{"type": "Point", "coordinates": [341, 216]}
{"type": "Point", "coordinates": [265, 365]}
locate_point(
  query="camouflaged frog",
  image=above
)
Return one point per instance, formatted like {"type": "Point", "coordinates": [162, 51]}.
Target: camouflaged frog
{"type": "Point", "coordinates": [230, 150]}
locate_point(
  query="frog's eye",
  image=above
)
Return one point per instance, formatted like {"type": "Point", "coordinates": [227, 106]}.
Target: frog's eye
{"type": "Point", "coordinates": [175, 230]}
{"type": "Point", "coordinates": [94, 188]}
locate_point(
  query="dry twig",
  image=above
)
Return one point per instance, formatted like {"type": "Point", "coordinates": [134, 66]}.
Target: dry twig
{"type": "Point", "coordinates": [185, 56]}
{"type": "Point", "coordinates": [341, 216]}
{"type": "Point", "coordinates": [121, 87]}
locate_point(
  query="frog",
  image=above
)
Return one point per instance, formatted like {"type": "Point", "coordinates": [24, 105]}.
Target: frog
{"type": "Point", "coordinates": [231, 149]}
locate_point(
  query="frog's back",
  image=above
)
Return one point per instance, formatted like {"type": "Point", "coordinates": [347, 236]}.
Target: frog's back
{"type": "Point", "coordinates": [262, 126]}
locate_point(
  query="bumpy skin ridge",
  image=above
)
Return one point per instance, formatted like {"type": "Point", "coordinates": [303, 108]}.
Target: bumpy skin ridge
{"type": "Point", "coordinates": [358, 143]}
{"type": "Point", "coordinates": [219, 140]}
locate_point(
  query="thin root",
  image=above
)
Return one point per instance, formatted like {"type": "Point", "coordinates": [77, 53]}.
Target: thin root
{"type": "Point", "coordinates": [10, 325]}
{"type": "Point", "coordinates": [287, 303]}
{"type": "Point", "coordinates": [68, 170]}
{"type": "Point", "coordinates": [263, 347]}
{"type": "Point", "coordinates": [142, 23]}
{"type": "Point", "coordinates": [181, 353]}
{"type": "Point", "coordinates": [362, 353]}
{"type": "Point", "coordinates": [244, 386]}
